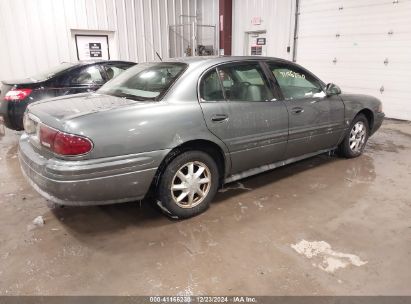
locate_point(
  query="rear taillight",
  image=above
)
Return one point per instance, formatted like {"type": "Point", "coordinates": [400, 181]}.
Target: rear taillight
{"type": "Point", "coordinates": [17, 94]}
{"type": "Point", "coordinates": [47, 136]}
{"type": "Point", "coordinates": [64, 143]}
{"type": "Point", "coordinates": [68, 144]}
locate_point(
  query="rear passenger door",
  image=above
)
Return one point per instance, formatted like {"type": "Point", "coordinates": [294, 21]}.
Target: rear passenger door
{"type": "Point", "coordinates": [241, 107]}
{"type": "Point", "coordinates": [316, 121]}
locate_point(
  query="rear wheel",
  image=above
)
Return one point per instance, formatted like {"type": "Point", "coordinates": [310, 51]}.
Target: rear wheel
{"type": "Point", "coordinates": [354, 142]}
{"type": "Point", "coordinates": [188, 184]}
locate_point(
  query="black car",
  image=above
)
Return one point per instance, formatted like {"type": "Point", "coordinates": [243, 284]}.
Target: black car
{"type": "Point", "coordinates": [64, 79]}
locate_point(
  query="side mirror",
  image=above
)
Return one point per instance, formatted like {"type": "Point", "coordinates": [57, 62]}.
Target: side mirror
{"type": "Point", "coordinates": [332, 89]}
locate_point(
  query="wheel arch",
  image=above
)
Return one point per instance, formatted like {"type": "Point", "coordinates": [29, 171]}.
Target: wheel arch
{"type": "Point", "coordinates": [369, 114]}
{"type": "Point", "coordinates": [204, 145]}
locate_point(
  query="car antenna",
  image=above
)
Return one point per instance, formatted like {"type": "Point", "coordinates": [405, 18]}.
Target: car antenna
{"type": "Point", "coordinates": [158, 55]}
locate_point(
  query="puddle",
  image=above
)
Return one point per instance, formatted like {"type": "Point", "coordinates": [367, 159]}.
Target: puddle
{"type": "Point", "coordinates": [325, 257]}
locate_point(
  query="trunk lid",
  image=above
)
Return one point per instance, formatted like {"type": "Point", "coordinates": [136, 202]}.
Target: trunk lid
{"type": "Point", "coordinates": [55, 112]}
{"type": "Point", "coordinates": [6, 86]}
{"type": "Point", "coordinates": [20, 81]}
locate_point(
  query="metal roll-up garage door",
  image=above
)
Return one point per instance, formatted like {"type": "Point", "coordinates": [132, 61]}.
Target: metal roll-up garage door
{"type": "Point", "coordinates": [363, 46]}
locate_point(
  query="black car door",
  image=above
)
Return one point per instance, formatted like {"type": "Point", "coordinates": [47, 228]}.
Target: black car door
{"type": "Point", "coordinates": [80, 80]}
{"type": "Point", "coordinates": [316, 121]}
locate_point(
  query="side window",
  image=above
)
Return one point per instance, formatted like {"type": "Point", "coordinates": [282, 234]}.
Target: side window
{"type": "Point", "coordinates": [294, 83]}
{"type": "Point", "coordinates": [210, 87]}
{"type": "Point", "coordinates": [245, 82]}
{"type": "Point", "coordinates": [87, 75]}
{"type": "Point", "coordinates": [113, 71]}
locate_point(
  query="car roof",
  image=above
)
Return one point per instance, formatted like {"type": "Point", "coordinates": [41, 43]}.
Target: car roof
{"type": "Point", "coordinates": [87, 62]}
{"type": "Point", "coordinates": [205, 62]}
{"type": "Point", "coordinates": [220, 59]}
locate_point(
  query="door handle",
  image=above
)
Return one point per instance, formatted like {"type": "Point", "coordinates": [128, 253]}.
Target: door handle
{"type": "Point", "coordinates": [219, 117]}
{"type": "Point", "coordinates": [297, 110]}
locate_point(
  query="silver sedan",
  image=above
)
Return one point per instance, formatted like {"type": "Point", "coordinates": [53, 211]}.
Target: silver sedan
{"type": "Point", "coordinates": [182, 128]}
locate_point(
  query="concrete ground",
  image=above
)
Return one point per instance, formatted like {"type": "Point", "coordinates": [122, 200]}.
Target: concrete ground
{"type": "Point", "coordinates": [323, 226]}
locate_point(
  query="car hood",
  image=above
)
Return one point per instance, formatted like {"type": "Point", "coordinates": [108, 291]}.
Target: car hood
{"type": "Point", "coordinates": [74, 106]}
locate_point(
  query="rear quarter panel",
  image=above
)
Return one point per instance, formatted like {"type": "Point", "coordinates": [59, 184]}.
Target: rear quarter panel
{"type": "Point", "coordinates": [144, 127]}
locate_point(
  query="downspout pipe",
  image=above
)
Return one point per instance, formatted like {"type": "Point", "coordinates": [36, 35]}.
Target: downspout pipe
{"type": "Point", "coordinates": [297, 14]}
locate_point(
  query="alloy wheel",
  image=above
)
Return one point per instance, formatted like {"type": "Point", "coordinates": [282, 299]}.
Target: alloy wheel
{"type": "Point", "coordinates": [357, 136]}
{"type": "Point", "coordinates": [191, 184]}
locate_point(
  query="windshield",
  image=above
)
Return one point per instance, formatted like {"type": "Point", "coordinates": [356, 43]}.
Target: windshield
{"type": "Point", "coordinates": [147, 81]}
{"type": "Point", "coordinates": [52, 71]}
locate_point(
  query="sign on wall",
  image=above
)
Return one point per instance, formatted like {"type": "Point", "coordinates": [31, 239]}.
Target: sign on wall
{"type": "Point", "coordinates": [91, 47]}
{"type": "Point", "coordinates": [260, 41]}
{"type": "Point", "coordinates": [257, 44]}
{"type": "Point", "coordinates": [95, 50]}
{"type": "Point", "coordinates": [256, 20]}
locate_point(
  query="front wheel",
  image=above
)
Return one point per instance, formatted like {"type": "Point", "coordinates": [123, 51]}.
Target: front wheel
{"type": "Point", "coordinates": [188, 184]}
{"type": "Point", "coordinates": [354, 142]}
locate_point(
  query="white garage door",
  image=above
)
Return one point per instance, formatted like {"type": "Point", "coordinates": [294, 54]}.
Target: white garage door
{"type": "Point", "coordinates": [364, 46]}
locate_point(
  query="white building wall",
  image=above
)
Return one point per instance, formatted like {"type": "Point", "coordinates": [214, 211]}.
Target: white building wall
{"type": "Point", "coordinates": [209, 16]}
{"type": "Point", "coordinates": [277, 19]}
{"type": "Point", "coordinates": [363, 46]}
{"type": "Point", "coordinates": [38, 34]}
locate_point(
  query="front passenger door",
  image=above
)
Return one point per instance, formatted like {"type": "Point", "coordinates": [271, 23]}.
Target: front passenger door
{"type": "Point", "coordinates": [316, 121]}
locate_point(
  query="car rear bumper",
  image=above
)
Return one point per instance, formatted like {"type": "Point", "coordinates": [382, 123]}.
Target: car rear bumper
{"type": "Point", "coordinates": [12, 114]}
{"type": "Point", "coordinates": [89, 182]}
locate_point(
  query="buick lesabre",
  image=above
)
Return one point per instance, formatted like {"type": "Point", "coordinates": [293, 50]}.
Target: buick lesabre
{"type": "Point", "coordinates": [182, 128]}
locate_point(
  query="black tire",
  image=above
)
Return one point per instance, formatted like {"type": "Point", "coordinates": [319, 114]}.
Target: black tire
{"type": "Point", "coordinates": [166, 197]}
{"type": "Point", "coordinates": [345, 147]}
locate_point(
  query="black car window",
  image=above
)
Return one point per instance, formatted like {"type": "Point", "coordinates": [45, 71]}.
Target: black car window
{"type": "Point", "coordinates": [210, 87]}
{"type": "Point", "coordinates": [87, 75]}
{"type": "Point", "coordinates": [295, 83]}
{"type": "Point", "coordinates": [113, 70]}
{"type": "Point", "coordinates": [245, 82]}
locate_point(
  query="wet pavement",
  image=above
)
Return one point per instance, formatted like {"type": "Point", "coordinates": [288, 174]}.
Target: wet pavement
{"type": "Point", "coordinates": [323, 226]}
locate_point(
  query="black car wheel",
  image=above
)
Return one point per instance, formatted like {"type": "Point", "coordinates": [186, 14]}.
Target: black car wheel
{"type": "Point", "coordinates": [188, 184]}
{"type": "Point", "coordinates": [354, 142]}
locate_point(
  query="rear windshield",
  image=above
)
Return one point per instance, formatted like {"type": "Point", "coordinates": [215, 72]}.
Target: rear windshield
{"type": "Point", "coordinates": [146, 81]}
{"type": "Point", "coordinates": [52, 71]}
